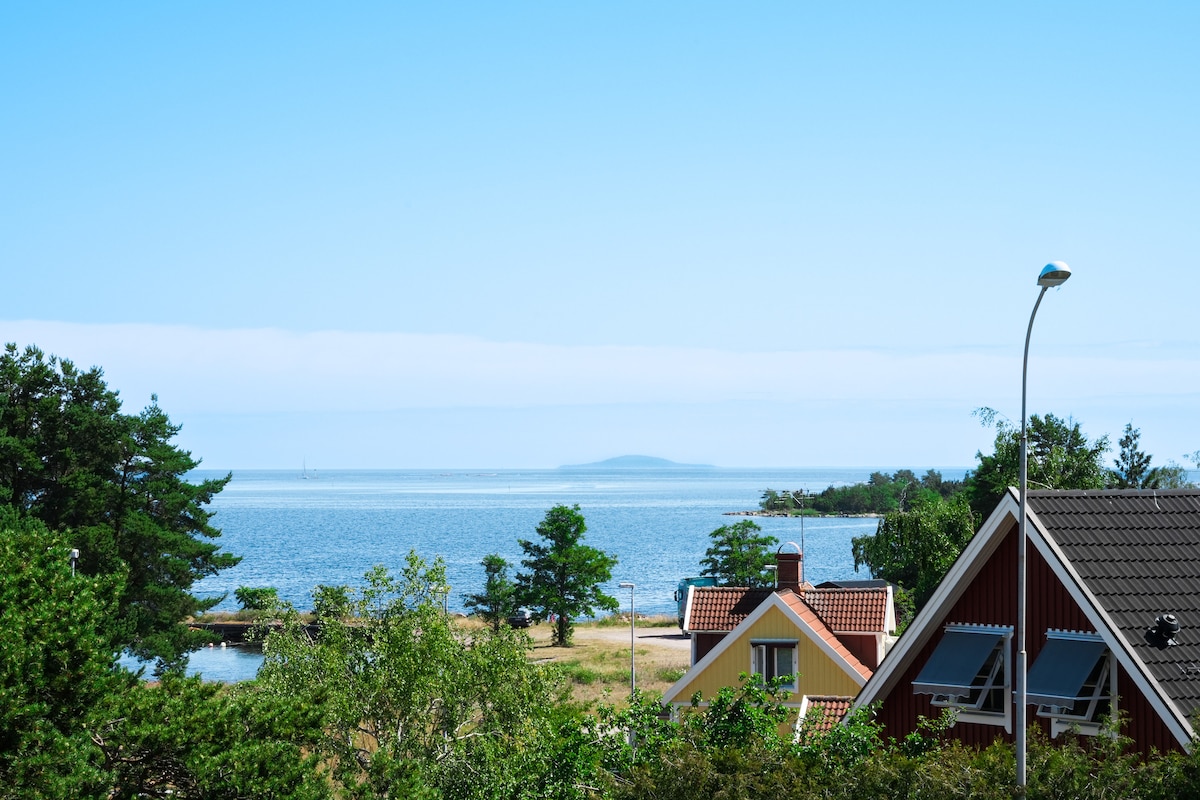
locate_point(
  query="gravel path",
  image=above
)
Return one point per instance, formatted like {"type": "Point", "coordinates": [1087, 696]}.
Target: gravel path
{"type": "Point", "coordinates": [667, 638]}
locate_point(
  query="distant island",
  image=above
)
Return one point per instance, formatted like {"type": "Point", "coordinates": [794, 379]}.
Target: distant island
{"type": "Point", "coordinates": [637, 462]}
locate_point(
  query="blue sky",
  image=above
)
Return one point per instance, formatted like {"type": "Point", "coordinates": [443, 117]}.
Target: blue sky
{"type": "Point", "coordinates": [522, 235]}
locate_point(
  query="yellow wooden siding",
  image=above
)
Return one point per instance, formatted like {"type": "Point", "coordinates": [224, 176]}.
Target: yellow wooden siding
{"type": "Point", "coordinates": [819, 674]}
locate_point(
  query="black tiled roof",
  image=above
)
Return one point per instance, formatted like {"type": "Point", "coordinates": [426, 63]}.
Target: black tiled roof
{"type": "Point", "coordinates": [1138, 553]}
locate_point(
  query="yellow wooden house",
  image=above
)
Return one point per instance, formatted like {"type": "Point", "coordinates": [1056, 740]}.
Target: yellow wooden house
{"type": "Point", "coordinates": [782, 636]}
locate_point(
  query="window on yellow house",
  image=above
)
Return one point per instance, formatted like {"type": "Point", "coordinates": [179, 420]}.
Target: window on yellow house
{"type": "Point", "coordinates": [775, 658]}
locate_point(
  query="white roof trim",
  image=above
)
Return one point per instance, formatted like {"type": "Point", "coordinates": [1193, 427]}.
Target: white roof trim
{"type": "Point", "coordinates": [803, 712]}
{"type": "Point", "coordinates": [959, 578]}
{"type": "Point", "coordinates": [772, 601]}
{"type": "Point", "coordinates": [928, 621]}
{"type": "Point", "coordinates": [687, 609]}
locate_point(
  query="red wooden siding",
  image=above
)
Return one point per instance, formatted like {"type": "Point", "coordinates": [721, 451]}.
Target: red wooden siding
{"type": "Point", "coordinates": [992, 600]}
{"type": "Point", "coordinates": [707, 641]}
{"type": "Point", "coordinates": [865, 647]}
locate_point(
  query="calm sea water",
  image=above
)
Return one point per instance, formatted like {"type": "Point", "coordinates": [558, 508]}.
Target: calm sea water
{"type": "Point", "coordinates": [295, 533]}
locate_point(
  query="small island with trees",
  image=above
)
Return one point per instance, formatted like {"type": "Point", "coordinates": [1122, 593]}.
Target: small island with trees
{"type": "Point", "coordinates": [879, 495]}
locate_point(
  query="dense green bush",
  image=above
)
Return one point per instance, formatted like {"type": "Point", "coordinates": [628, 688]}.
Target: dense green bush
{"type": "Point", "coordinates": [256, 598]}
{"type": "Point", "coordinates": [395, 700]}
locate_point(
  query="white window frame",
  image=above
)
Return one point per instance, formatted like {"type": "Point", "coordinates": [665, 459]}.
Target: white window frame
{"type": "Point", "coordinates": [759, 648]}
{"type": "Point", "coordinates": [997, 676]}
{"type": "Point", "coordinates": [1104, 688]}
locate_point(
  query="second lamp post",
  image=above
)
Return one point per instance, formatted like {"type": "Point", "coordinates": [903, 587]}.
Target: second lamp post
{"type": "Point", "coordinates": [632, 616]}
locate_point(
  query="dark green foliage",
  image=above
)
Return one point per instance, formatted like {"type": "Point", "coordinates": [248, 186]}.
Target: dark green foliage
{"type": "Point", "coordinates": [1132, 465]}
{"type": "Point", "coordinates": [72, 724]}
{"type": "Point", "coordinates": [187, 739]}
{"type": "Point", "coordinates": [842, 747]}
{"type": "Point", "coordinates": [738, 732]}
{"type": "Point", "coordinates": [739, 555]}
{"type": "Point", "coordinates": [499, 596]}
{"type": "Point", "coordinates": [71, 459]}
{"type": "Point", "coordinates": [854, 760]}
{"type": "Point", "coordinates": [564, 575]}
{"type": "Point", "coordinates": [934, 482]}
{"type": "Point", "coordinates": [883, 493]}
{"type": "Point", "coordinates": [914, 549]}
{"type": "Point", "coordinates": [748, 716]}
{"type": "Point", "coordinates": [256, 599]}
{"type": "Point", "coordinates": [1060, 457]}
{"type": "Point", "coordinates": [55, 665]}
{"type": "Point", "coordinates": [788, 502]}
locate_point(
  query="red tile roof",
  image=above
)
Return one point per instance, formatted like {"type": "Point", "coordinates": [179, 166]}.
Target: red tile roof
{"type": "Point", "coordinates": [811, 619]}
{"type": "Point", "coordinates": [720, 608]}
{"type": "Point", "coordinates": [822, 712]}
{"type": "Point", "coordinates": [851, 610]}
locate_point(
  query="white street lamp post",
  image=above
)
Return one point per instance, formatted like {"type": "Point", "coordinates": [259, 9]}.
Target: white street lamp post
{"type": "Point", "coordinates": [632, 617]}
{"type": "Point", "coordinates": [1053, 274]}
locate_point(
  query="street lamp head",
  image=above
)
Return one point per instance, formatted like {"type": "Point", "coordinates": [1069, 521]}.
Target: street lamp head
{"type": "Point", "coordinates": [625, 585]}
{"type": "Point", "coordinates": [1054, 274]}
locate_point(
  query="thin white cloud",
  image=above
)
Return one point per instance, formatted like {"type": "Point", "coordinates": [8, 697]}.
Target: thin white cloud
{"type": "Point", "coordinates": [268, 370]}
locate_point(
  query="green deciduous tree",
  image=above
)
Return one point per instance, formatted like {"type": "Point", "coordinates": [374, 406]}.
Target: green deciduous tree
{"type": "Point", "coordinates": [564, 575]}
{"type": "Point", "coordinates": [331, 602]}
{"type": "Point", "coordinates": [1060, 457]}
{"type": "Point", "coordinates": [413, 705]}
{"type": "Point", "coordinates": [916, 548]}
{"type": "Point", "coordinates": [71, 459]}
{"type": "Point", "coordinates": [499, 596]}
{"type": "Point", "coordinates": [256, 598]}
{"type": "Point", "coordinates": [787, 502]}
{"type": "Point", "coordinates": [882, 493]}
{"type": "Point", "coordinates": [739, 555]}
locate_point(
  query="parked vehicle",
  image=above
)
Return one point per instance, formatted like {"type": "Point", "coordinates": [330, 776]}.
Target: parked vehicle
{"type": "Point", "coordinates": [682, 592]}
{"type": "Point", "coordinates": [521, 618]}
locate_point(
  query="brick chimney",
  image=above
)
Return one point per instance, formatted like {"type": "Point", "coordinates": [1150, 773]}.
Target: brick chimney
{"type": "Point", "coordinates": [790, 568]}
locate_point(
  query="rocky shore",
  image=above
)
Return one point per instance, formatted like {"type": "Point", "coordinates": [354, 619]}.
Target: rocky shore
{"type": "Point", "coordinates": [761, 513]}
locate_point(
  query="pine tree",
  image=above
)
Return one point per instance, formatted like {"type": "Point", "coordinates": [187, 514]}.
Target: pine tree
{"type": "Point", "coordinates": [115, 481]}
{"type": "Point", "coordinates": [1132, 465]}
{"type": "Point", "coordinates": [499, 596]}
{"type": "Point", "coordinates": [564, 575]}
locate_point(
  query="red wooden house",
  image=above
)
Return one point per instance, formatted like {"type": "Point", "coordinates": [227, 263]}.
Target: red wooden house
{"type": "Point", "coordinates": [1113, 623]}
